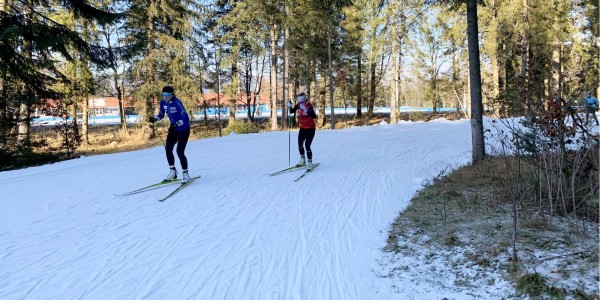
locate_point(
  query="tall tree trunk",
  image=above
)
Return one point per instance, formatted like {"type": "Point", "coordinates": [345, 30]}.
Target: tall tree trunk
{"type": "Point", "coordinates": [295, 92]}
{"type": "Point", "coordinates": [394, 83]}
{"type": "Point", "coordinates": [313, 90]}
{"type": "Point", "coordinates": [373, 89]}
{"type": "Point", "coordinates": [523, 79]}
{"type": "Point", "coordinates": [359, 92]}
{"type": "Point", "coordinates": [85, 94]}
{"type": "Point", "coordinates": [122, 116]}
{"type": "Point", "coordinates": [403, 30]}
{"type": "Point", "coordinates": [475, 81]}
{"type": "Point", "coordinates": [330, 71]}
{"type": "Point", "coordinates": [85, 115]}
{"type": "Point", "coordinates": [433, 84]}
{"type": "Point", "coordinates": [149, 105]}
{"type": "Point", "coordinates": [248, 90]}
{"type": "Point", "coordinates": [258, 86]}
{"type": "Point", "coordinates": [74, 118]}
{"type": "Point", "coordinates": [122, 105]}
{"type": "Point", "coordinates": [218, 68]}
{"type": "Point", "coordinates": [311, 80]}
{"type": "Point", "coordinates": [394, 60]}
{"type": "Point", "coordinates": [322, 98]}
{"type": "Point", "coordinates": [3, 118]}
{"type": "Point", "coordinates": [116, 83]}
{"type": "Point", "coordinates": [525, 43]}
{"type": "Point", "coordinates": [402, 21]}
{"type": "Point", "coordinates": [273, 87]}
{"type": "Point", "coordinates": [399, 80]}
{"type": "Point", "coordinates": [233, 97]}
{"type": "Point", "coordinates": [494, 61]}
{"type": "Point", "coordinates": [23, 124]}
{"type": "Point", "coordinates": [557, 82]}
{"type": "Point", "coordinates": [23, 121]}
{"type": "Point", "coordinates": [286, 72]}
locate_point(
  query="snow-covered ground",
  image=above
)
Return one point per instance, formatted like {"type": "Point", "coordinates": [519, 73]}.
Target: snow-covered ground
{"type": "Point", "coordinates": [236, 233]}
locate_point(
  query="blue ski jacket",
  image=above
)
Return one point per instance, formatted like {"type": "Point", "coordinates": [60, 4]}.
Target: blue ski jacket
{"type": "Point", "coordinates": [591, 102]}
{"type": "Point", "coordinates": [176, 112]}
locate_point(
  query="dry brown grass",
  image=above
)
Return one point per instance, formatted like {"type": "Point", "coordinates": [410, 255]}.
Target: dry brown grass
{"type": "Point", "coordinates": [471, 207]}
{"type": "Point", "coordinates": [104, 139]}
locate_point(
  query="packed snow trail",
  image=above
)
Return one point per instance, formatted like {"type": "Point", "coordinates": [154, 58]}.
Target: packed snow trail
{"type": "Point", "coordinates": [236, 233]}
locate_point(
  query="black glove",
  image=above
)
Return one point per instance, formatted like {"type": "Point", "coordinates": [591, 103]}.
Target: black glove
{"type": "Point", "coordinates": [175, 125]}
{"type": "Point", "coordinates": [152, 119]}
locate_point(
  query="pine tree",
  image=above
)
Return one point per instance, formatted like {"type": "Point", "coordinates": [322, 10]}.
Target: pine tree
{"type": "Point", "coordinates": [432, 48]}
{"type": "Point", "coordinates": [30, 42]}
{"type": "Point", "coordinates": [159, 31]}
{"type": "Point", "coordinates": [244, 29]}
{"type": "Point", "coordinates": [354, 38]}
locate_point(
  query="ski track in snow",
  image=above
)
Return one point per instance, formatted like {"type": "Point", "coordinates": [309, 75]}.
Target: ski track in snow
{"type": "Point", "coordinates": [235, 233]}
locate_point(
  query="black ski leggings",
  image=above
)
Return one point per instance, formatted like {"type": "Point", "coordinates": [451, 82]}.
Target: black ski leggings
{"type": "Point", "coordinates": [305, 138]}
{"type": "Point", "coordinates": [181, 139]}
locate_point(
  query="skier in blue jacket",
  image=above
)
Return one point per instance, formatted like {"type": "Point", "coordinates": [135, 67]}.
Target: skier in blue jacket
{"type": "Point", "coordinates": [179, 131]}
{"type": "Point", "coordinates": [591, 106]}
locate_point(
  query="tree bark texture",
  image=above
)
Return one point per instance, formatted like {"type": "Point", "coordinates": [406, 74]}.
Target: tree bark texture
{"type": "Point", "coordinates": [475, 83]}
{"type": "Point", "coordinates": [273, 90]}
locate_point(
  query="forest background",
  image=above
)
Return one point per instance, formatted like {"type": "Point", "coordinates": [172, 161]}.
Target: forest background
{"type": "Point", "coordinates": [359, 54]}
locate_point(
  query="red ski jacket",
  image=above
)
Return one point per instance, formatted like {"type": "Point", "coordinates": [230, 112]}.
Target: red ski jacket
{"type": "Point", "coordinates": [307, 118]}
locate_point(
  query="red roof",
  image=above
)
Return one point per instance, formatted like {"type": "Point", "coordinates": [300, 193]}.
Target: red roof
{"type": "Point", "coordinates": [108, 102]}
{"type": "Point", "coordinates": [211, 99]}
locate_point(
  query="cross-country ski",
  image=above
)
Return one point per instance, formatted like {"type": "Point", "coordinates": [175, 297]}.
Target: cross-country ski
{"type": "Point", "coordinates": [150, 187]}
{"type": "Point", "coordinates": [179, 188]}
{"type": "Point", "coordinates": [306, 172]}
{"type": "Point", "coordinates": [292, 168]}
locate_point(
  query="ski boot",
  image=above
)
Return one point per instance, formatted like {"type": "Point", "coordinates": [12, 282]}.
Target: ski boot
{"type": "Point", "coordinates": [172, 175]}
{"type": "Point", "coordinates": [186, 176]}
{"type": "Point", "coordinates": [302, 162]}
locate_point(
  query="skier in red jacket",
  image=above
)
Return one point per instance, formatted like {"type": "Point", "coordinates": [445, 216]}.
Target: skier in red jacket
{"type": "Point", "coordinates": [306, 115]}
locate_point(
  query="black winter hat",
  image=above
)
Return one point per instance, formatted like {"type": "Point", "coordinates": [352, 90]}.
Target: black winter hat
{"type": "Point", "coordinates": [168, 89]}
